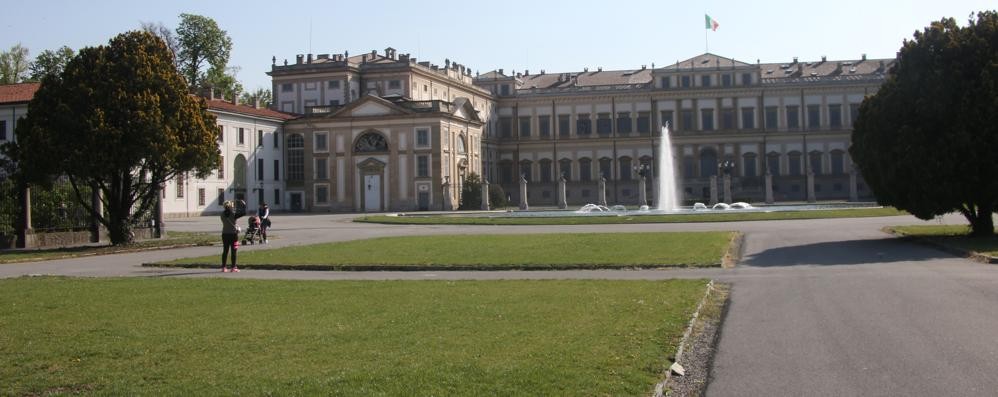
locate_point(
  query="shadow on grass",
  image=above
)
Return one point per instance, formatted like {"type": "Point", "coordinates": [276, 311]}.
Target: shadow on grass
{"type": "Point", "coordinates": [851, 252]}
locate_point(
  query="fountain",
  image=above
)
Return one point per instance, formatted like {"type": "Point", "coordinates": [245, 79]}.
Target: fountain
{"type": "Point", "coordinates": [667, 198]}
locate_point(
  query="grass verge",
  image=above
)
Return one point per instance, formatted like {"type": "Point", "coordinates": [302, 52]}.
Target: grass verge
{"type": "Point", "coordinates": [492, 252]}
{"type": "Point", "coordinates": [600, 220]}
{"type": "Point", "coordinates": [955, 238]}
{"type": "Point", "coordinates": [174, 239]}
{"type": "Point", "coordinates": [261, 337]}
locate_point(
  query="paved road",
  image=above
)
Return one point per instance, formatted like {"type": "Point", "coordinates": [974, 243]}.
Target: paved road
{"type": "Point", "coordinates": [818, 307]}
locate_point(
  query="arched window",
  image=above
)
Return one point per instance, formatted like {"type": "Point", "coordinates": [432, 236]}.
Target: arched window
{"type": "Point", "coordinates": [838, 162]}
{"type": "Point", "coordinates": [606, 168]}
{"type": "Point", "coordinates": [585, 169]}
{"type": "Point", "coordinates": [748, 166]}
{"type": "Point", "coordinates": [625, 168]}
{"type": "Point", "coordinates": [239, 172]}
{"type": "Point", "coordinates": [565, 169]}
{"type": "Point", "coordinates": [815, 158]}
{"type": "Point", "coordinates": [296, 157]}
{"type": "Point", "coordinates": [708, 163]}
{"type": "Point", "coordinates": [794, 163]}
{"type": "Point", "coordinates": [462, 148]}
{"type": "Point", "coordinates": [370, 142]}
{"type": "Point", "coordinates": [545, 170]}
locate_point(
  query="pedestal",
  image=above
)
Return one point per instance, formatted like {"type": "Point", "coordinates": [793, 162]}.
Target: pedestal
{"type": "Point", "coordinates": [523, 195]}
{"type": "Point", "coordinates": [485, 196]}
{"type": "Point", "coordinates": [642, 192]}
{"type": "Point", "coordinates": [713, 189]}
{"type": "Point", "coordinates": [727, 188]}
{"type": "Point", "coordinates": [810, 187]}
{"type": "Point", "coordinates": [562, 196]}
{"type": "Point", "coordinates": [601, 194]}
{"type": "Point", "coordinates": [769, 189]}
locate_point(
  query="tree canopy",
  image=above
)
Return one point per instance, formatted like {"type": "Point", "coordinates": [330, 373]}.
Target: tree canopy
{"type": "Point", "coordinates": [14, 65]}
{"type": "Point", "coordinates": [203, 49]}
{"type": "Point", "coordinates": [50, 62]}
{"type": "Point", "coordinates": [119, 118]}
{"type": "Point", "coordinates": [926, 141]}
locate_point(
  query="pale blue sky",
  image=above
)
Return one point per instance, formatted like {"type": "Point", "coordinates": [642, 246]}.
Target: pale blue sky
{"type": "Point", "coordinates": [514, 35]}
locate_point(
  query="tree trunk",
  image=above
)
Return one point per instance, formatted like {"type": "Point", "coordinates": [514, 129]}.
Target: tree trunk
{"type": "Point", "coordinates": [981, 223]}
{"type": "Point", "coordinates": [120, 231]}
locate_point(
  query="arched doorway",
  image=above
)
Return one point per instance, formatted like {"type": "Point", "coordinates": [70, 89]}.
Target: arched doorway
{"type": "Point", "coordinates": [371, 171]}
{"type": "Point", "coordinates": [239, 182]}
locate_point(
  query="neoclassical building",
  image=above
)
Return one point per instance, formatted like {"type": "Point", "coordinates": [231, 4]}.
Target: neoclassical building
{"type": "Point", "coordinates": [384, 132]}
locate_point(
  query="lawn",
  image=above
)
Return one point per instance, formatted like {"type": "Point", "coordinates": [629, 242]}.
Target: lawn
{"type": "Point", "coordinates": [173, 239]}
{"type": "Point", "coordinates": [503, 251]}
{"type": "Point", "coordinates": [674, 218]}
{"type": "Point", "coordinates": [393, 338]}
{"type": "Point", "coordinates": [953, 236]}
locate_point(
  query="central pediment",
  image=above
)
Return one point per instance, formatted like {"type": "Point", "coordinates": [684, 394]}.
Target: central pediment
{"type": "Point", "coordinates": [371, 106]}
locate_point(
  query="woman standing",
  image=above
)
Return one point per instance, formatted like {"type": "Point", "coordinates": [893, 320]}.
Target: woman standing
{"type": "Point", "coordinates": [230, 232]}
{"type": "Point", "coordinates": [264, 214]}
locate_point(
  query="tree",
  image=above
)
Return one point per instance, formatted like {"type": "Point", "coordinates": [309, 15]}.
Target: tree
{"type": "Point", "coordinates": [203, 49]}
{"type": "Point", "coordinates": [118, 119]}
{"type": "Point", "coordinates": [50, 62]}
{"type": "Point", "coordinates": [14, 65]}
{"type": "Point", "coordinates": [926, 142]}
{"type": "Point", "coordinates": [471, 194]}
{"type": "Point", "coordinates": [261, 94]}
{"type": "Point", "coordinates": [224, 82]}
{"type": "Point", "coordinates": [165, 34]}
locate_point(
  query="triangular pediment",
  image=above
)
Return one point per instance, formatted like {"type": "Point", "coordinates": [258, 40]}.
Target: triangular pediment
{"type": "Point", "coordinates": [370, 106]}
{"type": "Point", "coordinates": [463, 109]}
{"type": "Point", "coordinates": [707, 61]}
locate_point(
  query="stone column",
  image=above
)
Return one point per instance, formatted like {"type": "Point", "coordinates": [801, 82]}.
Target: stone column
{"type": "Point", "coordinates": [810, 187]}
{"type": "Point", "coordinates": [485, 195]}
{"type": "Point", "coordinates": [98, 209]}
{"type": "Point", "coordinates": [24, 232]}
{"type": "Point", "coordinates": [853, 188]}
{"type": "Point", "coordinates": [727, 188]}
{"type": "Point", "coordinates": [769, 188]}
{"type": "Point", "coordinates": [523, 194]}
{"type": "Point", "coordinates": [562, 197]}
{"type": "Point", "coordinates": [601, 193]}
{"type": "Point", "coordinates": [713, 189]}
{"type": "Point", "coordinates": [642, 191]}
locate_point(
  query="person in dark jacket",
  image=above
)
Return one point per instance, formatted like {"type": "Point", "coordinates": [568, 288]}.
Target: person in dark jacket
{"type": "Point", "coordinates": [230, 232]}
{"type": "Point", "coordinates": [264, 214]}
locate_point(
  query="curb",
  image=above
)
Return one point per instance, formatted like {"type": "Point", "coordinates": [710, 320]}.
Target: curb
{"type": "Point", "coordinates": [734, 252]}
{"type": "Point", "coordinates": [660, 387]}
{"type": "Point", "coordinates": [416, 268]}
{"type": "Point", "coordinates": [115, 252]}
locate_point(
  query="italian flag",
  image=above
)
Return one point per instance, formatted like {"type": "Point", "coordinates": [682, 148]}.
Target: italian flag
{"type": "Point", "coordinates": [710, 23]}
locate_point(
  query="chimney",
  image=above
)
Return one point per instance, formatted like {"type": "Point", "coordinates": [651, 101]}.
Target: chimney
{"type": "Point", "coordinates": [256, 103]}
{"type": "Point", "coordinates": [542, 72]}
{"type": "Point", "coordinates": [823, 59]}
{"type": "Point", "coordinates": [500, 71]}
{"type": "Point", "coordinates": [299, 58]}
{"type": "Point", "coordinates": [235, 97]}
{"type": "Point", "coordinates": [446, 63]}
{"type": "Point", "coordinates": [374, 55]}
{"type": "Point", "coordinates": [211, 93]}
{"type": "Point", "coordinates": [309, 58]}
{"type": "Point", "coordinates": [864, 57]}
{"type": "Point", "coordinates": [526, 72]}
{"type": "Point", "coordinates": [363, 58]}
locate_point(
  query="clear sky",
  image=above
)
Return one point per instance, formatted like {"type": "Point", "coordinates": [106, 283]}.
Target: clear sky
{"type": "Point", "coordinates": [511, 34]}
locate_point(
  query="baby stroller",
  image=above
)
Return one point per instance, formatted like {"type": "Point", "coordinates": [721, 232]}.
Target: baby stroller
{"type": "Point", "coordinates": [253, 233]}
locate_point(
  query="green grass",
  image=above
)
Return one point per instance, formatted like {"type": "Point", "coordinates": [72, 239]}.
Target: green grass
{"type": "Point", "coordinates": [954, 236]}
{"type": "Point", "coordinates": [173, 239]}
{"type": "Point", "coordinates": [590, 220]}
{"type": "Point", "coordinates": [504, 251]}
{"type": "Point", "coordinates": [393, 338]}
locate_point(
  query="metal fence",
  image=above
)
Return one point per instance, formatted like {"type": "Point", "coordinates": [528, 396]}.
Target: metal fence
{"type": "Point", "coordinates": [53, 208]}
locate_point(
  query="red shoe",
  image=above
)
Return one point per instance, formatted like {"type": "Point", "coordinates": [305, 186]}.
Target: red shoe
{"type": "Point", "coordinates": [235, 269]}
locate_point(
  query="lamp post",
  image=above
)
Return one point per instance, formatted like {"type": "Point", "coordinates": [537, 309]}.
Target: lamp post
{"type": "Point", "coordinates": [725, 168]}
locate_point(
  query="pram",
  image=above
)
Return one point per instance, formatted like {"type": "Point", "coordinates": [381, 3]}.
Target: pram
{"type": "Point", "coordinates": [253, 232]}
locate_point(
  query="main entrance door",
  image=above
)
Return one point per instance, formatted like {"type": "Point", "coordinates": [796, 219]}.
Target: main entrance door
{"type": "Point", "coordinates": [372, 193]}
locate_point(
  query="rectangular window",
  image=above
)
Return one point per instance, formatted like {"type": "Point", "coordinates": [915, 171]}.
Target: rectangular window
{"type": "Point", "coordinates": [333, 84]}
{"type": "Point", "coordinates": [322, 194]}
{"type": "Point", "coordinates": [180, 186]}
{"type": "Point", "coordinates": [624, 123]}
{"type": "Point", "coordinates": [746, 78]}
{"type": "Point", "coordinates": [505, 127]}
{"type": "Point", "coordinates": [564, 125]}
{"type": "Point", "coordinates": [604, 126]}
{"type": "Point", "coordinates": [241, 138]}
{"type": "Point", "coordinates": [707, 119]}
{"type": "Point", "coordinates": [835, 115]}
{"type": "Point", "coordinates": [277, 196]}
{"type": "Point", "coordinates": [201, 197]}
{"type": "Point", "coordinates": [687, 121]}
{"type": "Point", "coordinates": [853, 113]}
{"type": "Point", "coordinates": [221, 197]}
{"type": "Point", "coordinates": [748, 118]}
{"type": "Point", "coordinates": [276, 140]}
{"type": "Point", "coordinates": [320, 142]}
{"type": "Point", "coordinates": [422, 166]}
{"type": "Point", "coordinates": [259, 169]}
{"type": "Point", "coordinates": [725, 80]}
{"type": "Point", "coordinates": [583, 126]}
{"type": "Point", "coordinates": [544, 126]}
{"type": "Point", "coordinates": [394, 84]}
{"type": "Point", "coordinates": [585, 170]}
{"type": "Point", "coordinates": [423, 137]}
{"type": "Point", "coordinates": [277, 170]}
{"type": "Point", "coordinates": [3, 130]}
{"type": "Point", "coordinates": [221, 167]}
{"type": "Point", "coordinates": [793, 116]}
{"type": "Point", "coordinates": [287, 87]}
{"type": "Point", "coordinates": [666, 116]}
{"type": "Point", "coordinates": [749, 167]}
{"type": "Point", "coordinates": [705, 80]}
{"type": "Point", "coordinates": [813, 116]}
{"type": "Point", "coordinates": [259, 138]}
{"type": "Point", "coordinates": [321, 168]}
{"type": "Point", "coordinates": [545, 170]}
{"type": "Point", "coordinates": [773, 164]}
{"type": "Point", "coordinates": [310, 86]}
{"type": "Point", "coordinates": [685, 81]}
{"type": "Point", "coordinates": [771, 117]}
{"type": "Point", "coordinates": [334, 102]}
{"type": "Point", "coordinates": [221, 133]}
{"type": "Point", "coordinates": [727, 119]}
{"type": "Point", "coordinates": [525, 127]}
{"type": "Point", "coordinates": [644, 122]}
{"type": "Point", "coordinates": [504, 90]}
{"type": "Point", "coordinates": [666, 82]}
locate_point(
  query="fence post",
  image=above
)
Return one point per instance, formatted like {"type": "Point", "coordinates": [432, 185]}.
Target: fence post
{"type": "Point", "coordinates": [98, 209]}
{"type": "Point", "coordinates": [24, 231]}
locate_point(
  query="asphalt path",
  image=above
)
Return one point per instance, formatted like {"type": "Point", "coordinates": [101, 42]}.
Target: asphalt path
{"type": "Point", "coordinates": [818, 307]}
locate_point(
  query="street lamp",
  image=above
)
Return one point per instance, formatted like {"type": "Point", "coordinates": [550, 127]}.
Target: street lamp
{"type": "Point", "coordinates": [725, 167]}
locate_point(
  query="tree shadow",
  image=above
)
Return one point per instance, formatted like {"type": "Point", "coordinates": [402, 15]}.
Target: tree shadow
{"type": "Point", "coordinates": [849, 252]}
